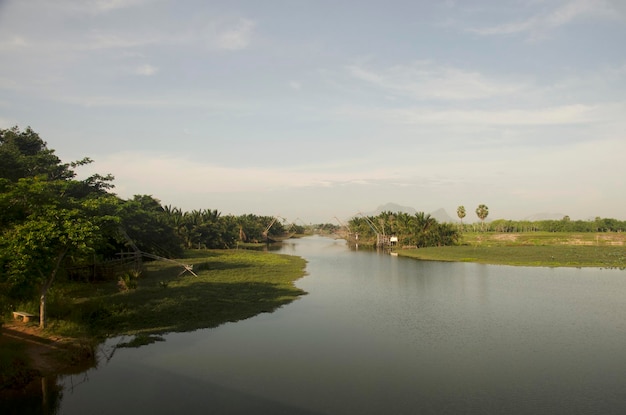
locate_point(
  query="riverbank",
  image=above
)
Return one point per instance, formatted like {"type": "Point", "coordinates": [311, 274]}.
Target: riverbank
{"type": "Point", "coordinates": [227, 286]}
{"type": "Point", "coordinates": [544, 249]}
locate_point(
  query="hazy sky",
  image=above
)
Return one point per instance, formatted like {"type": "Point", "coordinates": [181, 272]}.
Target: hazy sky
{"type": "Point", "coordinates": [315, 109]}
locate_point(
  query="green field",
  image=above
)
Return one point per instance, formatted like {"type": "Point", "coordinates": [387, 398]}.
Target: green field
{"type": "Point", "coordinates": [550, 249]}
{"type": "Point", "coordinates": [230, 286]}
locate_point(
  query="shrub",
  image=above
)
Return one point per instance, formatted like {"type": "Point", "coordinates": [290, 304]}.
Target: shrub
{"type": "Point", "coordinates": [128, 280]}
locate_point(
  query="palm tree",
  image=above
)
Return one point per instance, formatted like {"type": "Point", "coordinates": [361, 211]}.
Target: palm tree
{"type": "Point", "coordinates": [423, 223]}
{"type": "Point", "coordinates": [482, 211]}
{"type": "Point", "coordinates": [460, 211]}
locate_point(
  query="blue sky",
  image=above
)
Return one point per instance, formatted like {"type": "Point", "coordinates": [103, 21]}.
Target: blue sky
{"type": "Point", "coordinates": [315, 109]}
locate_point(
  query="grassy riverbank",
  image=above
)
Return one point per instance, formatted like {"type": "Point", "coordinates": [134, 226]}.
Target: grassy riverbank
{"type": "Point", "coordinates": [230, 286]}
{"type": "Point", "coordinates": [550, 249]}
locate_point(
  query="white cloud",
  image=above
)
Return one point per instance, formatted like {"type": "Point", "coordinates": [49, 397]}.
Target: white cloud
{"type": "Point", "coordinates": [95, 7]}
{"type": "Point", "coordinates": [428, 81]}
{"type": "Point", "coordinates": [103, 40]}
{"type": "Point", "coordinates": [526, 181]}
{"type": "Point", "coordinates": [566, 114]}
{"type": "Point", "coordinates": [568, 12]}
{"type": "Point", "coordinates": [146, 70]}
{"type": "Point", "coordinates": [106, 5]}
{"type": "Point", "coordinates": [295, 85]}
{"type": "Point", "coordinates": [14, 43]}
{"type": "Point", "coordinates": [150, 173]}
{"type": "Point", "coordinates": [235, 37]}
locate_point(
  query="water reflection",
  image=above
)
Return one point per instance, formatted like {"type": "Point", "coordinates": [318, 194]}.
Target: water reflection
{"type": "Point", "coordinates": [41, 396]}
{"type": "Point", "coordinates": [382, 334]}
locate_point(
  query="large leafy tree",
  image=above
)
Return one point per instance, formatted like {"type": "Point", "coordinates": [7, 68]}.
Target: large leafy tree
{"type": "Point", "coordinates": [148, 225]}
{"type": "Point", "coordinates": [36, 249]}
{"type": "Point", "coordinates": [25, 154]}
{"type": "Point", "coordinates": [49, 216]}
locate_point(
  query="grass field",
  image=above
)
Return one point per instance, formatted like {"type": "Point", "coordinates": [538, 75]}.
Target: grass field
{"type": "Point", "coordinates": [604, 250]}
{"type": "Point", "coordinates": [230, 286]}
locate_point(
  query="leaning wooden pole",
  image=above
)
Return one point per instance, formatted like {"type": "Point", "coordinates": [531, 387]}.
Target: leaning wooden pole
{"type": "Point", "coordinates": [140, 253]}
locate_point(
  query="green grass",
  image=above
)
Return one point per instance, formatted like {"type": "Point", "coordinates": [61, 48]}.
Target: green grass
{"type": "Point", "coordinates": [532, 249]}
{"type": "Point", "coordinates": [544, 238]}
{"type": "Point", "coordinates": [230, 286]}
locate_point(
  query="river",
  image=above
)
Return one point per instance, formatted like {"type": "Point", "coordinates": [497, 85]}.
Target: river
{"type": "Point", "coordinates": [379, 334]}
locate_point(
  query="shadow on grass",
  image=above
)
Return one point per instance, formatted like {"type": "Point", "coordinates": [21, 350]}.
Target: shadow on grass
{"type": "Point", "coordinates": [195, 306]}
{"type": "Point", "coordinates": [219, 265]}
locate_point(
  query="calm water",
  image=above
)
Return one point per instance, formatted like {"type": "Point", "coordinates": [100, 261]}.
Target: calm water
{"type": "Point", "coordinates": [385, 335]}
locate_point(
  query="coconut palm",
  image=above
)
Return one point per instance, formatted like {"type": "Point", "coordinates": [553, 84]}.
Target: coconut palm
{"type": "Point", "coordinates": [423, 223]}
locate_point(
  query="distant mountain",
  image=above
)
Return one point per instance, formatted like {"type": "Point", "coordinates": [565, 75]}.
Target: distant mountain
{"type": "Point", "coordinates": [440, 214]}
{"type": "Point", "coordinates": [544, 216]}
{"type": "Point", "coordinates": [392, 207]}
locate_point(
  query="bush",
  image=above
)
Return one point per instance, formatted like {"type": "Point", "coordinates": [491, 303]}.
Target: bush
{"type": "Point", "coordinates": [128, 280]}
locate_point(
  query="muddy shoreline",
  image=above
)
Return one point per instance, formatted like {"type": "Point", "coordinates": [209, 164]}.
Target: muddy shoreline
{"type": "Point", "coordinates": [48, 356]}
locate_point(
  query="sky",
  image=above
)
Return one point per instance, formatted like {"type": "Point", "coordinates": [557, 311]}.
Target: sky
{"type": "Point", "coordinates": [316, 109]}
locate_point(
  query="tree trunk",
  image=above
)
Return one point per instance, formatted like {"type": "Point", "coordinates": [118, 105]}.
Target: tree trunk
{"type": "Point", "coordinates": [46, 286]}
{"type": "Point", "coordinates": [42, 310]}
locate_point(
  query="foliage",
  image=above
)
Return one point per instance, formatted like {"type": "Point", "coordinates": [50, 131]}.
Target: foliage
{"type": "Point", "coordinates": [148, 225]}
{"type": "Point", "coordinates": [128, 280]}
{"type": "Point", "coordinates": [51, 217]}
{"type": "Point", "coordinates": [419, 229]}
{"type": "Point", "coordinates": [460, 211]}
{"type": "Point", "coordinates": [482, 211]}
{"type": "Point", "coordinates": [564, 225]}
{"type": "Point", "coordinates": [25, 154]}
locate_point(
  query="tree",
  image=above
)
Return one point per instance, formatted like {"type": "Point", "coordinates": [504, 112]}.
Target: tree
{"type": "Point", "coordinates": [61, 227]}
{"type": "Point", "coordinates": [482, 211]}
{"type": "Point", "coordinates": [150, 227]}
{"type": "Point", "coordinates": [420, 229]}
{"type": "Point", "coordinates": [25, 154]}
{"type": "Point", "coordinates": [460, 211]}
{"type": "Point", "coordinates": [48, 216]}
{"type": "Point", "coordinates": [423, 225]}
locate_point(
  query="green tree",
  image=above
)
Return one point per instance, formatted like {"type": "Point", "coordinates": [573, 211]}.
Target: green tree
{"type": "Point", "coordinates": [57, 227]}
{"type": "Point", "coordinates": [423, 227]}
{"type": "Point", "coordinates": [25, 154]}
{"type": "Point", "coordinates": [482, 211]}
{"type": "Point", "coordinates": [460, 211]}
{"type": "Point", "coordinates": [150, 227]}
{"type": "Point", "coordinates": [48, 216]}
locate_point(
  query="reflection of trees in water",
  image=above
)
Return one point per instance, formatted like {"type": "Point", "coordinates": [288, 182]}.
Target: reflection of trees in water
{"type": "Point", "coordinates": [41, 396]}
{"type": "Point", "coordinates": [73, 381]}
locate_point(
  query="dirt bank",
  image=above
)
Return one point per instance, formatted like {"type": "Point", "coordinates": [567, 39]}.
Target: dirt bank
{"type": "Point", "coordinates": [48, 355]}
